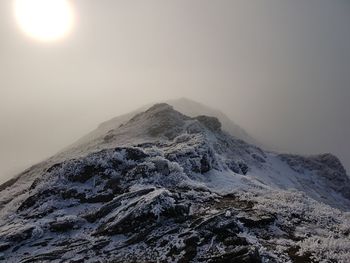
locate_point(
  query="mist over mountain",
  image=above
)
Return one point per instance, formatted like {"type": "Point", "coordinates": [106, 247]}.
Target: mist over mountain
{"type": "Point", "coordinates": [159, 185]}
{"type": "Point", "coordinates": [183, 105]}
{"type": "Point", "coordinates": [279, 69]}
{"type": "Point", "coordinates": [174, 131]}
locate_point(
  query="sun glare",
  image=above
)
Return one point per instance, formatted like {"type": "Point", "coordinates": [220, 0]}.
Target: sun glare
{"type": "Point", "coordinates": [45, 20]}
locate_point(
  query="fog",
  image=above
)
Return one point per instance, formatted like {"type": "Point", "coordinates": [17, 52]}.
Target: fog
{"type": "Point", "coordinates": [280, 69]}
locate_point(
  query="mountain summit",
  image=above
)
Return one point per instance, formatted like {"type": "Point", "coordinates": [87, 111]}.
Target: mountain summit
{"type": "Point", "coordinates": [185, 106]}
{"type": "Point", "coordinates": [162, 186]}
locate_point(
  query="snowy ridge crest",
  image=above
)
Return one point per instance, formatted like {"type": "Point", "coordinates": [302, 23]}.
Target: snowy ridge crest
{"type": "Point", "coordinates": [166, 187]}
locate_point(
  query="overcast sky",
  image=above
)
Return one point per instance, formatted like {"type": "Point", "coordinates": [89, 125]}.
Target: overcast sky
{"type": "Point", "coordinates": [280, 69]}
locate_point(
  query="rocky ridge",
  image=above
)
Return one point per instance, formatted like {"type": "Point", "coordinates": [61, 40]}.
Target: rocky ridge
{"type": "Point", "coordinates": [165, 187]}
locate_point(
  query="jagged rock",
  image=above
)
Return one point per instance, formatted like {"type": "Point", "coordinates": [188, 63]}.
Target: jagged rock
{"type": "Point", "coordinates": [243, 167]}
{"type": "Point", "coordinates": [134, 154]}
{"type": "Point", "coordinates": [48, 256]}
{"type": "Point", "coordinates": [326, 166]}
{"type": "Point", "coordinates": [99, 198]}
{"type": "Point", "coordinates": [114, 204]}
{"type": "Point", "coordinates": [258, 158]}
{"type": "Point", "coordinates": [168, 122]}
{"type": "Point", "coordinates": [84, 174]}
{"type": "Point", "coordinates": [34, 199]}
{"type": "Point", "coordinates": [4, 246]}
{"type": "Point", "coordinates": [65, 223]}
{"type": "Point", "coordinates": [18, 233]}
{"type": "Point", "coordinates": [252, 219]}
{"type": "Point", "coordinates": [191, 245]}
{"type": "Point", "coordinates": [61, 226]}
{"type": "Point", "coordinates": [235, 241]}
{"type": "Point", "coordinates": [211, 123]}
{"type": "Point", "coordinates": [73, 193]}
{"type": "Point", "coordinates": [164, 187]}
{"type": "Point", "coordinates": [233, 166]}
{"type": "Point", "coordinates": [143, 212]}
{"type": "Point", "coordinates": [115, 185]}
{"type": "Point", "coordinates": [140, 171]}
{"type": "Point", "coordinates": [162, 167]}
{"type": "Point", "coordinates": [205, 164]}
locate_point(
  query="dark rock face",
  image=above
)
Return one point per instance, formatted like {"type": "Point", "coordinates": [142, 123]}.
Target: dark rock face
{"type": "Point", "coordinates": [61, 226]}
{"type": "Point", "coordinates": [22, 233]}
{"type": "Point", "coordinates": [86, 173]}
{"type": "Point", "coordinates": [165, 121]}
{"type": "Point", "coordinates": [233, 166]}
{"type": "Point", "coordinates": [326, 166]}
{"type": "Point", "coordinates": [199, 159]}
{"type": "Point", "coordinates": [253, 219]}
{"type": "Point", "coordinates": [205, 164]}
{"type": "Point", "coordinates": [211, 123]}
{"type": "Point", "coordinates": [4, 246]}
{"type": "Point", "coordinates": [243, 167]}
{"type": "Point", "coordinates": [134, 154]}
{"type": "Point", "coordinates": [238, 167]}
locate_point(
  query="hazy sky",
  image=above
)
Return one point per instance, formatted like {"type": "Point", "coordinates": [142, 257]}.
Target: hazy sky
{"type": "Point", "coordinates": [280, 69]}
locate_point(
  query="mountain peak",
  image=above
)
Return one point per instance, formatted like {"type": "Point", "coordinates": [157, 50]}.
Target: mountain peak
{"type": "Point", "coordinates": [160, 107]}
{"type": "Point", "coordinates": [159, 111]}
{"type": "Point", "coordinates": [164, 112]}
{"type": "Point", "coordinates": [159, 120]}
{"type": "Point", "coordinates": [181, 109]}
{"type": "Point", "coordinates": [165, 119]}
{"type": "Point", "coordinates": [160, 176]}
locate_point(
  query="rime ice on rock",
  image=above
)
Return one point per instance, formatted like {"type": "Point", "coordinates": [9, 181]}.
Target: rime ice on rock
{"type": "Point", "coordinates": [165, 187]}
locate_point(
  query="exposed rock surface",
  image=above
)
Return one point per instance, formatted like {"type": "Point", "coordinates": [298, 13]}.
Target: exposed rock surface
{"type": "Point", "coordinates": [165, 187]}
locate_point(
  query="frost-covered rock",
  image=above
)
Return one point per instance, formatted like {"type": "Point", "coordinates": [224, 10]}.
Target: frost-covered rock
{"type": "Point", "coordinates": [165, 187]}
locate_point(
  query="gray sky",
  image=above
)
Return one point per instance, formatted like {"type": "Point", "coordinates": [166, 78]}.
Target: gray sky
{"type": "Point", "coordinates": [280, 69]}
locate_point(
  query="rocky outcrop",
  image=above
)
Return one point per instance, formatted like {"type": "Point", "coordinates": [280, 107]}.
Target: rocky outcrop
{"type": "Point", "coordinates": [164, 187]}
{"type": "Point", "coordinates": [326, 167]}
{"type": "Point", "coordinates": [211, 123]}
{"type": "Point", "coordinates": [162, 220]}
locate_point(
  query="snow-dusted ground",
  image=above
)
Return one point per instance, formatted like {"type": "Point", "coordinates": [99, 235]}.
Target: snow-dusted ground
{"type": "Point", "coordinates": [165, 187]}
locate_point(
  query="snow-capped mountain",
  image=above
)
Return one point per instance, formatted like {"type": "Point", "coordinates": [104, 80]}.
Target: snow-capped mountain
{"type": "Point", "coordinates": [185, 106]}
{"type": "Point", "coordinates": [163, 186]}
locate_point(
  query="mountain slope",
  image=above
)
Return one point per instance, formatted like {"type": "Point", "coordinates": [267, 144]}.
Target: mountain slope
{"type": "Point", "coordinates": [166, 187]}
{"type": "Point", "coordinates": [185, 106]}
{"type": "Point", "coordinates": [192, 108]}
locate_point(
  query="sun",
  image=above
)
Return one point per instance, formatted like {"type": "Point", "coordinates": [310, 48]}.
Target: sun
{"type": "Point", "coordinates": [44, 20]}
